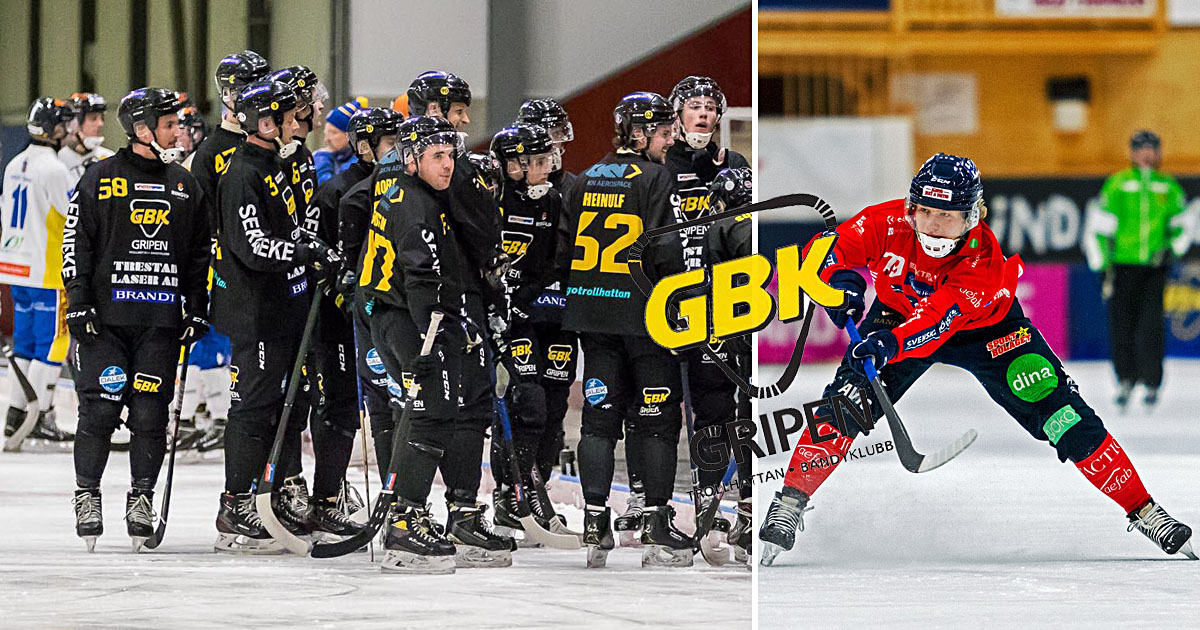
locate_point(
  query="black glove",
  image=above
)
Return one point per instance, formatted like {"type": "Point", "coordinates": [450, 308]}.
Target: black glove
{"type": "Point", "coordinates": [194, 327]}
{"type": "Point", "coordinates": [879, 346]}
{"type": "Point", "coordinates": [497, 268]}
{"type": "Point", "coordinates": [345, 291]}
{"type": "Point", "coordinates": [317, 254]}
{"type": "Point", "coordinates": [83, 321]}
{"type": "Point", "coordinates": [855, 304]}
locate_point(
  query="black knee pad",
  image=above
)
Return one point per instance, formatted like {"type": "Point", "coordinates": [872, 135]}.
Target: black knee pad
{"type": "Point", "coordinates": [97, 416]}
{"type": "Point", "coordinates": [529, 406]}
{"type": "Point", "coordinates": [148, 413]}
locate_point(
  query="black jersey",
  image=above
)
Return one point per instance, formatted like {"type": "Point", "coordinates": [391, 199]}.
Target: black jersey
{"type": "Point", "coordinates": [530, 234]}
{"type": "Point", "coordinates": [260, 291]}
{"type": "Point", "coordinates": [411, 259]}
{"type": "Point", "coordinates": [729, 238]}
{"type": "Point", "coordinates": [329, 199]}
{"type": "Point", "coordinates": [613, 203]}
{"type": "Point", "coordinates": [354, 222]}
{"type": "Point", "coordinates": [301, 175]}
{"type": "Point", "coordinates": [135, 242]}
{"type": "Point", "coordinates": [209, 163]}
{"type": "Point", "coordinates": [692, 172]}
{"type": "Point", "coordinates": [563, 182]}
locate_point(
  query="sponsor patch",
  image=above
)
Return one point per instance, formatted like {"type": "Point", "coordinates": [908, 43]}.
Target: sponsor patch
{"type": "Point", "coordinates": [150, 187]}
{"type": "Point", "coordinates": [551, 300]}
{"type": "Point", "coordinates": [1058, 423]}
{"type": "Point", "coordinates": [112, 379]}
{"type": "Point", "coordinates": [522, 350]}
{"type": "Point", "coordinates": [934, 192]}
{"type": "Point", "coordinates": [1009, 342]}
{"type": "Point", "coordinates": [141, 295]}
{"type": "Point", "coordinates": [146, 383]}
{"type": "Point", "coordinates": [374, 362]}
{"type": "Point", "coordinates": [520, 220]}
{"type": "Point", "coordinates": [595, 391]}
{"type": "Point", "coordinates": [655, 395]}
{"type": "Point", "coordinates": [1031, 377]}
{"type": "Point", "coordinates": [559, 354]}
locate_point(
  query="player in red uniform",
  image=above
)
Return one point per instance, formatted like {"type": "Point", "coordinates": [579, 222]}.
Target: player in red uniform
{"type": "Point", "coordinates": [946, 294]}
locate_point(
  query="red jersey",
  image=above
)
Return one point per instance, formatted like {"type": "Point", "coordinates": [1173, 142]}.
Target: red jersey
{"type": "Point", "coordinates": [971, 288]}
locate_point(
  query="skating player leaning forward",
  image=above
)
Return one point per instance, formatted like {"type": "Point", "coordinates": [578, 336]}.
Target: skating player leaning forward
{"type": "Point", "coordinates": [946, 294]}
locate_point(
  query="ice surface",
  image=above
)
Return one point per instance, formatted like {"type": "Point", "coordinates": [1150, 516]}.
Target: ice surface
{"type": "Point", "coordinates": [48, 580]}
{"type": "Point", "coordinates": [1002, 536]}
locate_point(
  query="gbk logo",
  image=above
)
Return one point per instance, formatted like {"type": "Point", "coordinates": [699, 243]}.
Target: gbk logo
{"type": "Point", "coordinates": [559, 355]}
{"type": "Point", "coordinates": [146, 383]}
{"type": "Point", "coordinates": [516, 244]}
{"type": "Point", "coordinates": [522, 350]}
{"type": "Point", "coordinates": [655, 395]}
{"type": "Point", "coordinates": [149, 215]}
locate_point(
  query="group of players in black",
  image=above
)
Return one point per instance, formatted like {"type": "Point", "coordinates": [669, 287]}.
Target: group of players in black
{"type": "Point", "coordinates": [511, 263]}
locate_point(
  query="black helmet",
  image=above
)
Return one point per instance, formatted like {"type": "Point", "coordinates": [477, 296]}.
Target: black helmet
{"type": "Point", "coordinates": [419, 132]}
{"type": "Point", "coordinates": [548, 113]}
{"type": "Point", "coordinates": [641, 109]}
{"type": "Point", "coordinates": [438, 87]}
{"type": "Point", "coordinates": [146, 106]}
{"type": "Point", "coordinates": [1144, 140]}
{"type": "Point", "coordinates": [487, 166]}
{"type": "Point", "coordinates": [85, 103]}
{"type": "Point", "coordinates": [303, 82]}
{"type": "Point", "coordinates": [239, 70]}
{"type": "Point", "coordinates": [45, 114]}
{"type": "Point", "coordinates": [734, 187]}
{"type": "Point", "coordinates": [263, 98]}
{"type": "Point", "coordinates": [521, 140]}
{"type": "Point", "coordinates": [692, 87]}
{"type": "Point", "coordinates": [372, 124]}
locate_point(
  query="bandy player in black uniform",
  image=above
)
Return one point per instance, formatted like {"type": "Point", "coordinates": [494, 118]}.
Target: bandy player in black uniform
{"type": "Point", "coordinates": [261, 294]}
{"type": "Point", "coordinates": [373, 137]}
{"type": "Point", "coordinates": [631, 384]}
{"type": "Point", "coordinates": [135, 268]}
{"type": "Point", "coordinates": [476, 222]}
{"type": "Point", "coordinates": [726, 240]}
{"type": "Point", "coordinates": [531, 208]}
{"type": "Point", "coordinates": [694, 163]}
{"type": "Point", "coordinates": [558, 359]}
{"type": "Point", "coordinates": [208, 163]}
{"type": "Point", "coordinates": [413, 266]}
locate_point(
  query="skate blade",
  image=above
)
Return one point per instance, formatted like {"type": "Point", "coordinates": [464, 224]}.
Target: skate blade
{"type": "Point", "coordinates": [331, 538]}
{"type": "Point", "coordinates": [90, 541]}
{"type": "Point", "coordinates": [713, 551]}
{"type": "Point", "coordinates": [556, 527]}
{"type": "Point", "coordinates": [469, 556]}
{"type": "Point", "coordinates": [1187, 550]}
{"type": "Point", "coordinates": [663, 556]}
{"type": "Point", "coordinates": [137, 542]}
{"type": "Point", "coordinates": [41, 445]}
{"type": "Point", "coordinates": [769, 552]}
{"type": "Point", "coordinates": [597, 557]}
{"type": "Point", "coordinates": [245, 545]}
{"type": "Point", "coordinates": [405, 562]}
{"type": "Point", "coordinates": [741, 556]}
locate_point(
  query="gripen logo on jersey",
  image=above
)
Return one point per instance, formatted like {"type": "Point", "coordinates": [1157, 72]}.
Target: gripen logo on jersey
{"type": "Point", "coordinates": [150, 215]}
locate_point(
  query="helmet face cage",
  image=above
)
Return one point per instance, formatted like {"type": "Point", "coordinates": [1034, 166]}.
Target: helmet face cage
{"type": "Point", "coordinates": [146, 106]}
{"type": "Point", "coordinates": [264, 98]}
{"type": "Point", "coordinates": [237, 71]}
{"type": "Point", "coordinates": [372, 125]}
{"type": "Point", "coordinates": [645, 110]}
{"type": "Point", "coordinates": [694, 87]}
{"type": "Point", "coordinates": [438, 87]}
{"type": "Point", "coordinates": [421, 132]}
{"type": "Point", "coordinates": [548, 113]}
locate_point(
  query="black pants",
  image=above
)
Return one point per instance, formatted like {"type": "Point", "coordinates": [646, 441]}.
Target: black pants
{"type": "Point", "coordinates": [429, 429]}
{"type": "Point", "coordinates": [632, 387]}
{"type": "Point", "coordinates": [373, 383]}
{"type": "Point", "coordinates": [260, 371]}
{"type": "Point", "coordinates": [1014, 364]}
{"type": "Point", "coordinates": [1135, 323]}
{"type": "Point", "coordinates": [559, 357]}
{"type": "Point", "coordinates": [124, 367]}
{"type": "Point", "coordinates": [335, 419]}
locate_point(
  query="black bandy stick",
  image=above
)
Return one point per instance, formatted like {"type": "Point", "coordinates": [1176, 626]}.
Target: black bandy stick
{"type": "Point", "coordinates": [180, 382]}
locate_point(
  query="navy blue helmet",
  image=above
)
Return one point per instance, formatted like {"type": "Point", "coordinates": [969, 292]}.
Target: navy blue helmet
{"type": "Point", "coordinates": [947, 182]}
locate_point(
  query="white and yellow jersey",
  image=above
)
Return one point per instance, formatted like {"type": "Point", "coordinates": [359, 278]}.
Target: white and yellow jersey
{"type": "Point", "coordinates": [76, 162]}
{"type": "Point", "coordinates": [34, 205]}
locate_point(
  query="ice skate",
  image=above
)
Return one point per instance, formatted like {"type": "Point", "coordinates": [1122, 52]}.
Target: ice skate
{"type": "Point", "coordinates": [351, 503]}
{"type": "Point", "coordinates": [139, 517]}
{"type": "Point", "coordinates": [89, 520]}
{"type": "Point", "coordinates": [47, 434]}
{"type": "Point", "coordinates": [1169, 534]}
{"type": "Point", "coordinates": [664, 545]}
{"type": "Point", "coordinates": [329, 522]}
{"type": "Point", "coordinates": [1124, 391]}
{"type": "Point", "coordinates": [597, 535]}
{"type": "Point", "coordinates": [475, 544]}
{"type": "Point", "coordinates": [213, 440]}
{"type": "Point", "coordinates": [543, 508]}
{"type": "Point", "coordinates": [291, 506]}
{"type": "Point", "coordinates": [739, 535]}
{"type": "Point", "coordinates": [14, 419]}
{"type": "Point", "coordinates": [629, 524]}
{"type": "Point", "coordinates": [239, 528]}
{"type": "Point", "coordinates": [1150, 399]}
{"type": "Point", "coordinates": [414, 545]}
{"type": "Point", "coordinates": [507, 523]}
{"type": "Point", "coordinates": [784, 518]}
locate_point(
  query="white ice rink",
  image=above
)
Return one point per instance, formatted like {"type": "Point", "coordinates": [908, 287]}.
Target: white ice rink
{"type": "Point", "coordinates": [48, 580]}
{"type": "Point", "coordinates": [1004, 536]}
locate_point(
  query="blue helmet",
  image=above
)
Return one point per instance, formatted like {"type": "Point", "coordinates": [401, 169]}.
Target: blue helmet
{"type": "Point", "coordinates": [947, 182]}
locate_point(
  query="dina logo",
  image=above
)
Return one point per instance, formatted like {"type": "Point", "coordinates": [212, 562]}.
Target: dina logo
{"type": "Point", "coordinates": [1031, 377]}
